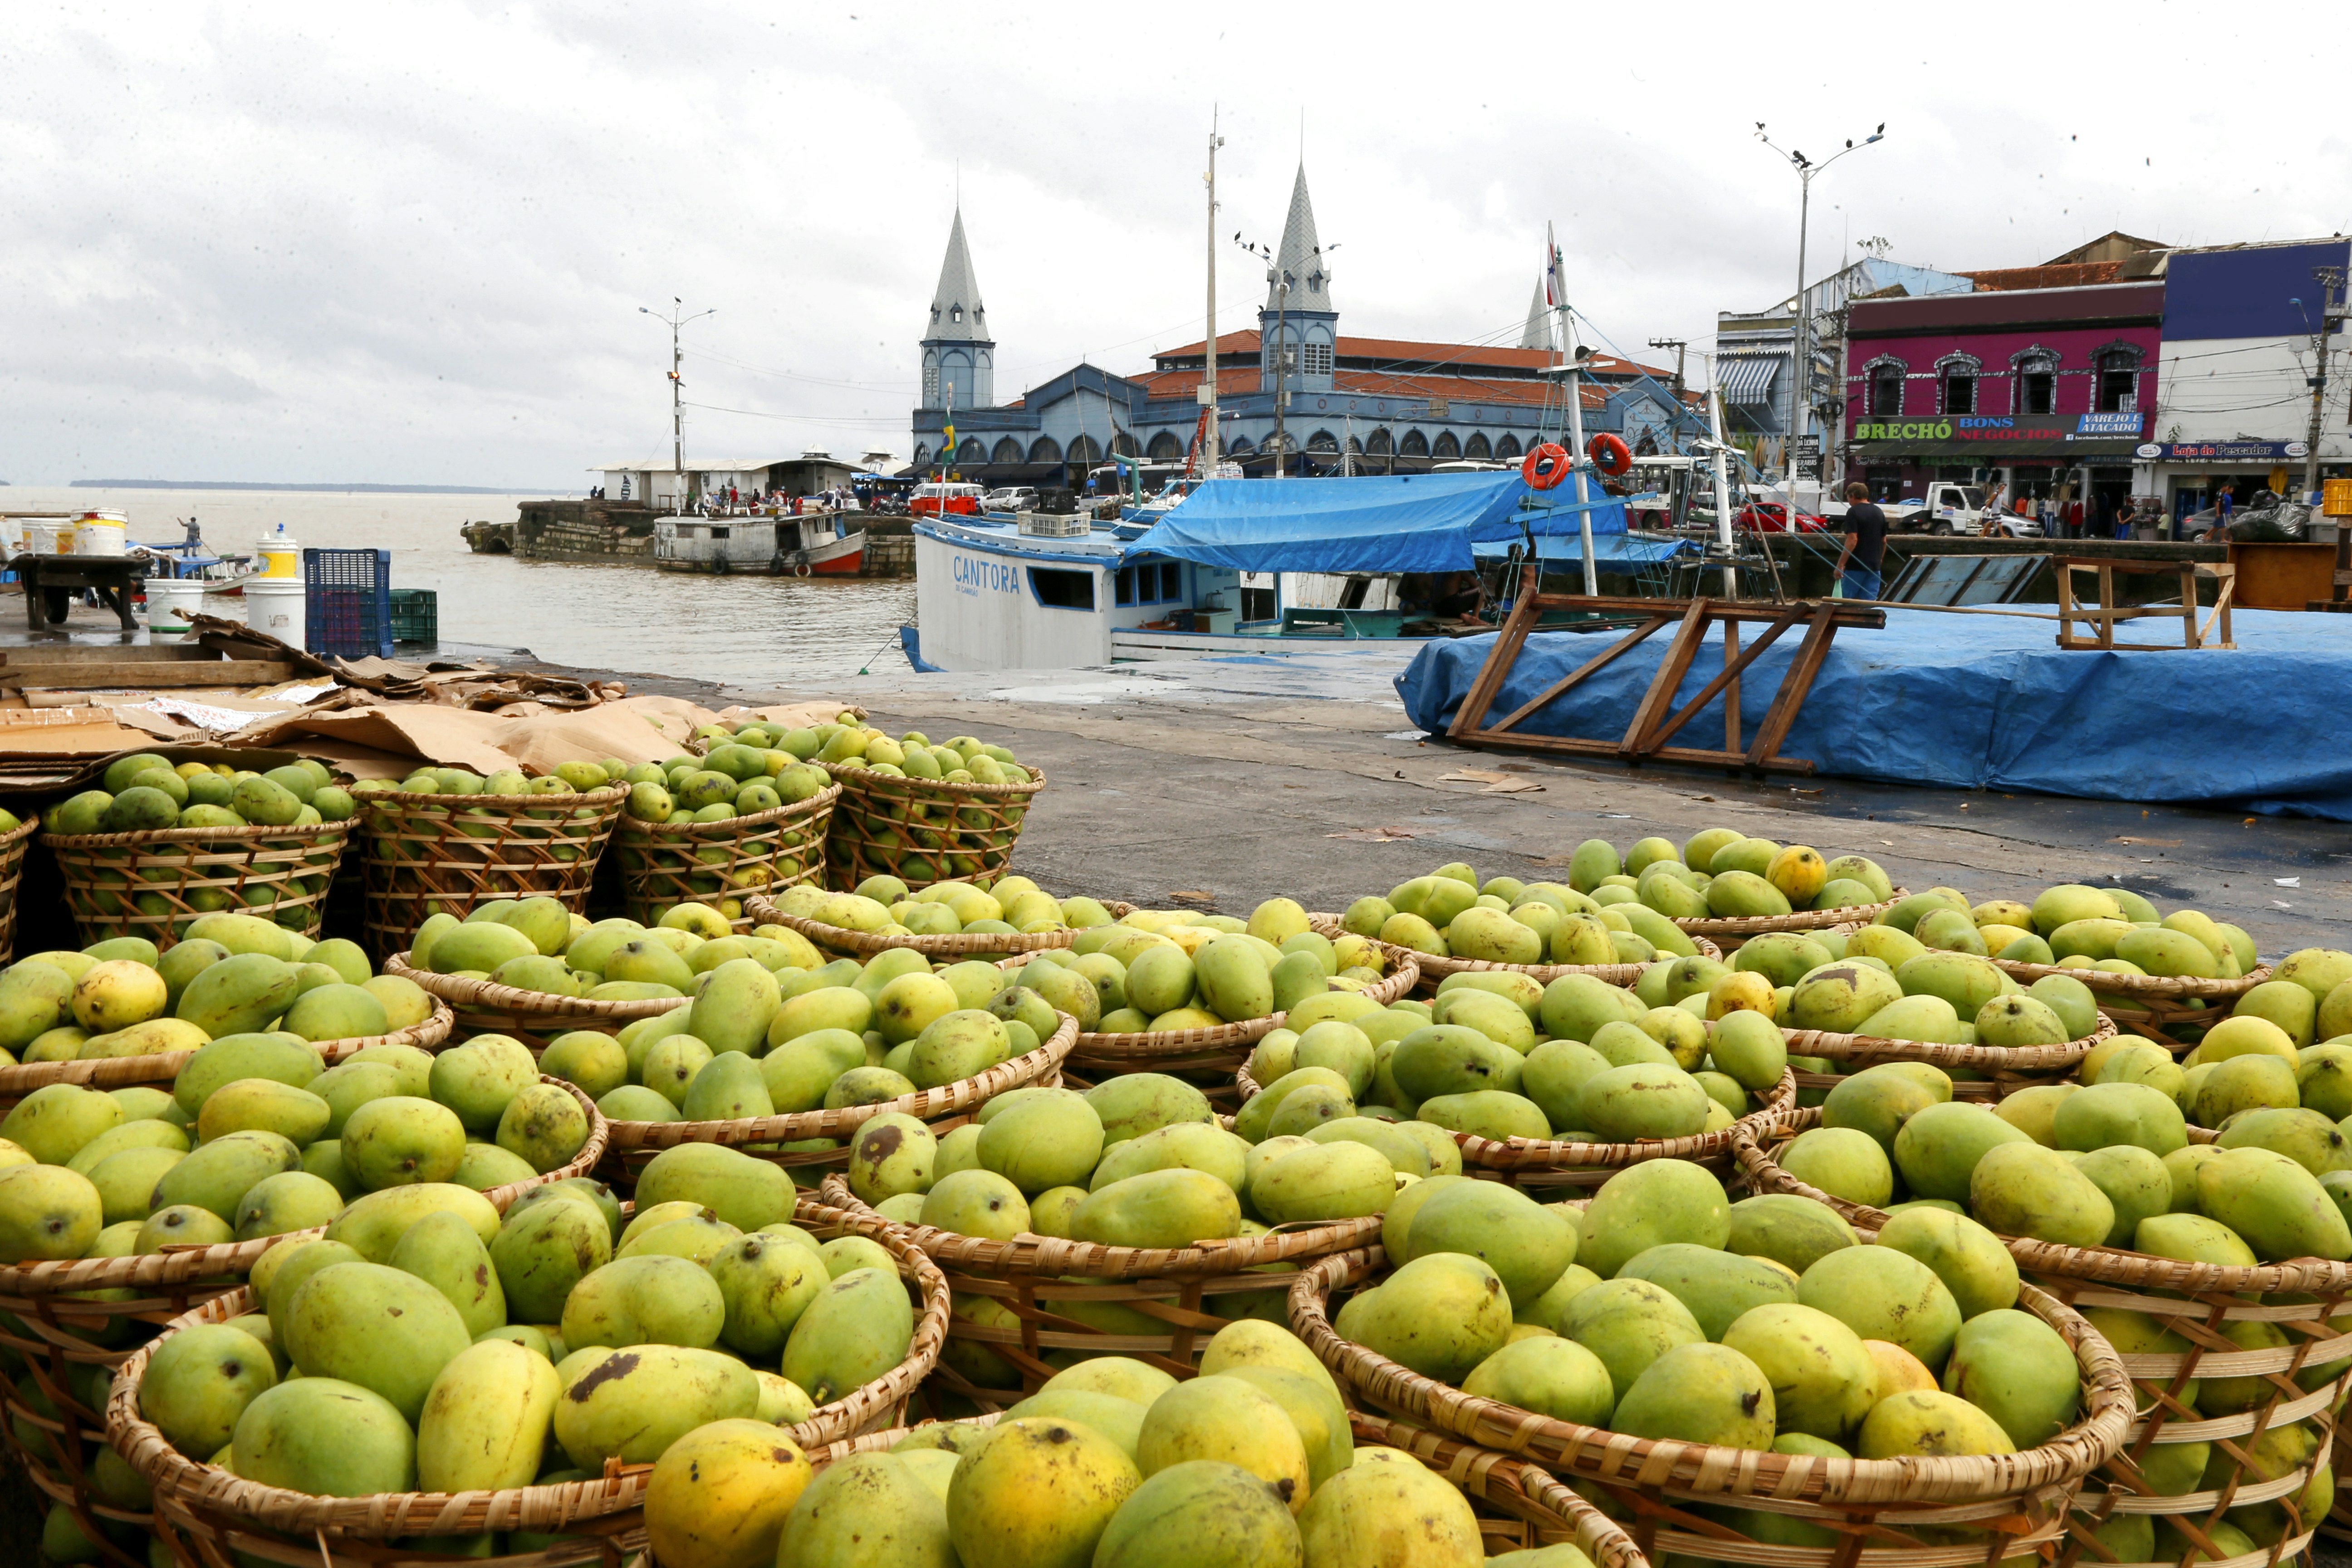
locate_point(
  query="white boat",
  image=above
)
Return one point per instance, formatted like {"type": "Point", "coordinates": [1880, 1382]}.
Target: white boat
{"type": "Point", "coordinates": [755, 545]}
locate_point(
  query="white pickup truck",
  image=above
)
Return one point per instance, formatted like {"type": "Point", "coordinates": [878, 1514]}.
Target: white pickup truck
{"type": "Point", "coordinates": [1950, 507]}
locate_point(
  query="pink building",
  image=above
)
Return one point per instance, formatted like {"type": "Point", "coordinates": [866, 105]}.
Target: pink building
{"type": "Point", "coordinates": [2044, 391]}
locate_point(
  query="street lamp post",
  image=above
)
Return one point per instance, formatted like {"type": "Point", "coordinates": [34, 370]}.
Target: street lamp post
{"type": "Point", "coordinates": [674, 320]}
{"type": "Point", "coordinates": [1800, 357]}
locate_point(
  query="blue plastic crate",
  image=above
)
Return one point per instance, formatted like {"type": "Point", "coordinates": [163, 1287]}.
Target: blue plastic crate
{"type": "Point", "coordinates": [348, 608]}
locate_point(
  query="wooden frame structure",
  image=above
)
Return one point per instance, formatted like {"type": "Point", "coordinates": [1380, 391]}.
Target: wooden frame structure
{"type": "Point", "coordinates": [2107, 613]}
{"type": "Point", "coordinates": [1657, 719]}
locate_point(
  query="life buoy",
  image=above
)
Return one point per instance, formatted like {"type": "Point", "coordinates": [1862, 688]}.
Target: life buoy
{"type": "Point", "coordinates": [802, 570]}
{"type": "Point", "coordinates": [1547, 465]}
{"type": "Point", "coordinates": [1609, 455]}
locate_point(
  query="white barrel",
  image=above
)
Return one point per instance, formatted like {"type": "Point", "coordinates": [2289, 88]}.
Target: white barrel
{"type": "Point", "coordinates": [171, 601]}
{"type": "Point", "coordinates": [94, 533]}
{"type": "Point", "coordinates": [274, 606]}
{"type": "Point", "coordinates": [278, 555]}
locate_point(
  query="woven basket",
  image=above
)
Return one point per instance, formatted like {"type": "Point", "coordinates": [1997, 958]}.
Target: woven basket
{"type": "Point", "coordinates": [2003, 1069]}
{"type": "Point", "coordinates": [12, 846]}
{"type": "Point", "coordinates": [2150, 1004]}
{"type": "Point", "coordinates": [949, 948]}
{"type": "Point", "coordinates": [1179, 1297]}
{"type": "Point", "coordinates": [1738, 930]}
{"type": "Point", "coordinates": [1873, 1506]}
{"type": "Point", "coordinates": [1207, 1057]}
{"type": "Point", "coordinates": [1536, 1165]}
{"type": "Point", "coordinates": [922, 830]}
{"type": "Point", "coordinates": [534, 1018]}
{"type": "Point", "coordinates": [443, 854]}
{"type": "Point", "coordinates": [2197, 1302]}
{"type": "Point", "coordinates": [634, 1143]}
{"type": "Point", "coordinates": [161, 1067]}
{"type": "Point", "coordinates": [60, 1327]}
{"type": "Point", "coordinates": [153, 884]}
{"type": "Point", "coordinates": [666, 864]}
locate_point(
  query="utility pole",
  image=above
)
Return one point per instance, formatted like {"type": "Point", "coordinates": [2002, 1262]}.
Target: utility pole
{"type": "Point", "coordinates": [675, 319]}
{"type": "Point", "coordinates": [2331, 289]}
{"type": "Point", "coordinates": [1680, 346]}
{"type": "Point", "coordinates": [1207, 395]}
{"type": "Point", "coordinates": [1801, 364]}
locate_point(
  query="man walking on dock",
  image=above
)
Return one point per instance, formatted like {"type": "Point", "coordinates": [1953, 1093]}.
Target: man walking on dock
{"type": "Point", "coordinates": [1866, 543]}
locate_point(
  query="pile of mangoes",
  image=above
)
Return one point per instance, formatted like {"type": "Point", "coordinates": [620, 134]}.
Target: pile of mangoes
{"type": "Point", "coordinates": [883, 906]}
{"type": "Point", "coordinates": [424, 1343]}
{"type": "Point", "coordinates": [2109, 930]}
{"type": "Point", "coordinates": [1112, 1463]}
{"type": "Point", "coordinates": [738, 778]}
{"type": "Point", "coordinates": [571, 778]}
{"type": "Point", "coordinates": [145, 793]}
{"type": "Point", "coordinates": [537, 944]}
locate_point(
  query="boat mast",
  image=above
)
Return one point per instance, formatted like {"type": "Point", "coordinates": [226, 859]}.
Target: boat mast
{"type": "Point", "coordinates": [1574, 364]}
{"type": "Point", "coordinates": [1208, 391]}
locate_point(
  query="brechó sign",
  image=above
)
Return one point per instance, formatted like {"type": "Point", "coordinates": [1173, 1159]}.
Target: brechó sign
{"type": "Point", "coordinates": [2071, 436]}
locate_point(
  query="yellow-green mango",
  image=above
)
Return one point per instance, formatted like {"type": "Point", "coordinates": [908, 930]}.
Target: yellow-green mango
{"type": "Point", "coordinates": [2023, 1189]}
{"type": "Point", "coordinates": [543, 1250]}
{"type": "Point", "coordinates": [443, 1250]}
{"type": "Point", "coordinates": [199, 1380]}
{"type": "Point", "coordinates": [1793, 1232]}
{"type": "Point", "coordinates": [858, 1328]}
{"type": "Point", "coordinates": [1037, 1492]}
{"type": "Point", "coordinates": [289, 1201]}
{"type": "Point", "coordinates": [374, 1225]}
{"type": "Point", "coordinates": [2016, 1369]}
{"type": "Point", "coordinates": [1220, 1513]}
{"type": "Point", "coordinates": [485, 1423]}
{"type": "Point", "coordinates": [1645, 1205]}
{"type": "Point", "coordinates": [1928, 1423]}
{"type": "Point", "coordinates": [2274, 1204]}
{"type": "Point", "coordinates": [1822, 1378]}
{"type": "Point", "coordinates": [1439, 1315]}
{"type": "Point", "coordinates": [325, 1435]}
{"type": "Point", "coordinates": [1323, 1181]}
{"type": "Point", "coordinates": [742, 1189]}
{"type": "Point", "coordinates": [1699, 1394]}
{"type": "Point", "coordinates": [1387, 1508]}
{"type": "Point", "coordinates": [375, 1326]}
{"type": "Point", "coordinates": [631, 1404]}
{"type": "Point", "coordinates": [241, 993]}
{"type": "Point", "coordinates": [1170, 1208]}
{"type": "Point", "coordinates": [1883, 1294]}
{"type": "Point", "coordinates": [1628, 1324]}
{"type": "Point", "coordinates": [651, 1299]}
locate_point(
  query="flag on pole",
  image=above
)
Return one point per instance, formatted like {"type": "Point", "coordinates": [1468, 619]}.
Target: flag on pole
{"type": "Point", "coordinates": [1555, 278]}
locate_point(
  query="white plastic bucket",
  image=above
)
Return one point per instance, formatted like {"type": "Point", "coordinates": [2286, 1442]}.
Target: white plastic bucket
{"type": "Point", "coordinates": [274, 606]}
{"type": "Point", "coordinates": [94, 533]}
{"type": "Point", "coordinates": [280, 556]}
{"type": "Point", "coordinates": [171, 601]}
{"type": "Point", "coordinates": [40, 537]}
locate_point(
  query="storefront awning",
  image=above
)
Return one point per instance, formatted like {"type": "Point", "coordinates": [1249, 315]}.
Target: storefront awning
{"type": "Point", "coordinates": [1747, 380]}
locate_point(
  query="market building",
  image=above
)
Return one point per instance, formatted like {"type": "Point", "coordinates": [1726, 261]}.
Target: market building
{"type": "Point", "coordinates": [2037, 381]}
{"type": "Point", "coordinates": [1359, 405]}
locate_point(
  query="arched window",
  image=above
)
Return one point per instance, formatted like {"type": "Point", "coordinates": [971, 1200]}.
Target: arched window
{"type": "Point", "coordinates": [2036, 370]}
{"type": "Point", "coordinates": [1885, 383]}
{"type": "Point", "coordinates": [1085, 449]}
{"type": "Point", "coordinates": [1379, 444]}
{"type": "Point", "coordinates": [1123, 444]}
{"type": "Point", "coordinates": [2118, 389]}
{"type": "Point", "coordinates": [1416, 444]}
{"type": "Point", "coordinates": [1286, 442]}
{"type": "Point", "coordinates": [972, 452]}
{"type": "Point", "coordinates": [1008, 450]}
{"type": "Point", "coordinates": [1322, 441]}
{"type": "Point", "coordinates": [922, 453]}
{"type": "Point", "coordinates": [1045, 449]}
{"type": "Point", "coordinates": [1165, 448]}
{"type": "Point", "coordinates": [1956, 384]}
{"type": "Point", "coordinates": [1447, 447]}
{"type": "Point", "coordinates": [1238, 445]}
{"type": "Point", "coordinates": [1476, 447]}
{"type": "Point", "coordinates": [1508, 448]}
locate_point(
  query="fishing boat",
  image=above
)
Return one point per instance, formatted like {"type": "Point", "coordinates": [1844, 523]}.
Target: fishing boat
{"type": "Point", "coordinates": [820, 544]}
{"type": "Point", "coordinates": [1237, 568]}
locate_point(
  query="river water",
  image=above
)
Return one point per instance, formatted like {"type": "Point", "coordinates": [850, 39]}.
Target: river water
{"type": "Point", "coordinates": [741, 631]}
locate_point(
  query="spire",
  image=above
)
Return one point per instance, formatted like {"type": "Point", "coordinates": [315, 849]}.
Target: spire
{"type": "Point", "coordinates": [957, 314]}
{"type": "Point", "coordinates": [1301, 255]}
{"type": "Point", "coordinates": [1538, 331]}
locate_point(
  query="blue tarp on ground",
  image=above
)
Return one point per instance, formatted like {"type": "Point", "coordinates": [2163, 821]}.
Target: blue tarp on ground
{"type": "Point", "coordinates": [1987, 701]}
{"type": "Point", "coordinates": [1404, 522]}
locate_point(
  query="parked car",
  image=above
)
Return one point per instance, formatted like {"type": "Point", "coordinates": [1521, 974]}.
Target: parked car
{"type": "Point", "coordinates": [1772, 517]}
{"type": "Point", "coordinates": [1011, 497]}
{"type": "Point", "coordinates": [945, 501]}
{"type": "Point", "coordinates": [1951, 508]}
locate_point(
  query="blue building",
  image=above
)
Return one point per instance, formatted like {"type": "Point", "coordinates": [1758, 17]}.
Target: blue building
{"type": "Point", "coordinates": [1360, 405]}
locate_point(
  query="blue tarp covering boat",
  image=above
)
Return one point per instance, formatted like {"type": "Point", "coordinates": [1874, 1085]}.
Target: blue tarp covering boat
{"type": "Point", "coordinates": [1984, 701]}
{"type": "Point", "coordinates": [1403, 523]}
{"type": "Point", "coordinates": [1608, 549]}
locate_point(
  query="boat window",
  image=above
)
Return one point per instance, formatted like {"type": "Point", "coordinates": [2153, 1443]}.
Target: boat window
{"type": "Point", "coordinates": [1123, 585]}
{"type": "Point", "coordinates": [1171, 581]}
{"type": "Point", "coordinates": [1061, 590]}
{"type": "Point", "coordinates": [722, 534]}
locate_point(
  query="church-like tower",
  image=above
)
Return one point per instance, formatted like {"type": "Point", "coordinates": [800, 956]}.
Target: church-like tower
{"type": "Point", "coordinates": [1300, 324]}
{"type": "Point", "coordinates": [959, 356]}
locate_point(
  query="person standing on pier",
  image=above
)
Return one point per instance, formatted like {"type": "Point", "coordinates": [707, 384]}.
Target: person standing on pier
{"type": "Point", "coordinates": [1866, 543]}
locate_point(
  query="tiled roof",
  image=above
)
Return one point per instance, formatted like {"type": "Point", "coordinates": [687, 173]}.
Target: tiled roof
{"type": "Point", "coordinates": [1403, 351]}
{"type": "Point", "coordinates": [2057, 275]}
{"type": "Point", "coordinates": [1410, 388]}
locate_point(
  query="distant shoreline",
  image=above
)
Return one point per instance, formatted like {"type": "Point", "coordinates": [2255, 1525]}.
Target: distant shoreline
{"type": "Point", "coordinates": [336, 489]}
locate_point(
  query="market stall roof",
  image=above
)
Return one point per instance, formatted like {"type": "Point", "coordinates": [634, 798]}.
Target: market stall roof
{"type": "Point", "coordinates": [1403, 523]}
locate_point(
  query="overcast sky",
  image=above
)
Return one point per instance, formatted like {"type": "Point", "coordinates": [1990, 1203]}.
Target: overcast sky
{"type": "Point", "coordinates": [409, 242]}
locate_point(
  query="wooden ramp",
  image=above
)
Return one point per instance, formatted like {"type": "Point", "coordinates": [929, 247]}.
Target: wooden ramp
{"type": "Point", "coordinates": [1657, 719]}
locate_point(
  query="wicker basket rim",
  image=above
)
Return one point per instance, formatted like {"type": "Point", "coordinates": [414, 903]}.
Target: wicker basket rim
{"type": "Point", "coordinates": [978, 944]}
{"type": "Point", "coordinates": [2158, 986]}
{"type": "Point", "coordinates": [382, 799]}
{"type": "Point", "coordinates": [2102, 1265]}
{"type": "Point", "coordinates": [490, 996]}
{"type": "Point", "coordinates": [923, 1104]}
{"type": "Point", "coordinates": [1052, 1257]}
{"type": "Point", "coordinates": [184, 1265]}
{"type": "Point", "coordinates": [1445, 963]}
{"type": "Point", "coordinates": [18, 834]}
{"type": "Point", "coordinates": [1248, 1031]}
{"type": "Point", "coordinates": [2009, 1058]}
{"type": "Point", "coordinates": [890, 783]}
{"type": "Point", "coordinates": [309, 830]}
{"type": "Point", "coordinates": [1706, 1469]}
{"type": "Point", "coordinates": [1478, 1471]}
{"type": "Point", "coordinates": [1795, 919]}
{"type": "Point", "coordinates": [25, 1077]}
{"type": "Point", "coordinates": [727, 828]}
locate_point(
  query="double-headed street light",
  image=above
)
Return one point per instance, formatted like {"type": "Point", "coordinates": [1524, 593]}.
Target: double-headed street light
{"type": "Point", "coordinates": [1801, 356]}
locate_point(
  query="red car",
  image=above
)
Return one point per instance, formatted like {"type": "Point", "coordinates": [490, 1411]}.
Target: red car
{"type": "Point", "coordinates": [1772, 517]}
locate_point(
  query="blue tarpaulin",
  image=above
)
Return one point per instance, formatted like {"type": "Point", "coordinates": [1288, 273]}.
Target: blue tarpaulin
{"type": "Point", "coordinates": [1608, 549]}
{"type": "Point", "coordinates": [1403, 523]}
{"type": "Point", "coordinates": [1985, 701]}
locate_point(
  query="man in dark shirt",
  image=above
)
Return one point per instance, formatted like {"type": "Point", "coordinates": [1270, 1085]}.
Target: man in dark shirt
{"type": "Point", "coordinates": [1866, 543]}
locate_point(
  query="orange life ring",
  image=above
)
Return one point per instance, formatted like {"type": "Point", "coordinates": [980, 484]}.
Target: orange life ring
{"type": "Point", "coordinates": [1547, 465]}
{"type": "Point", "coordinates": [1609, 455]}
